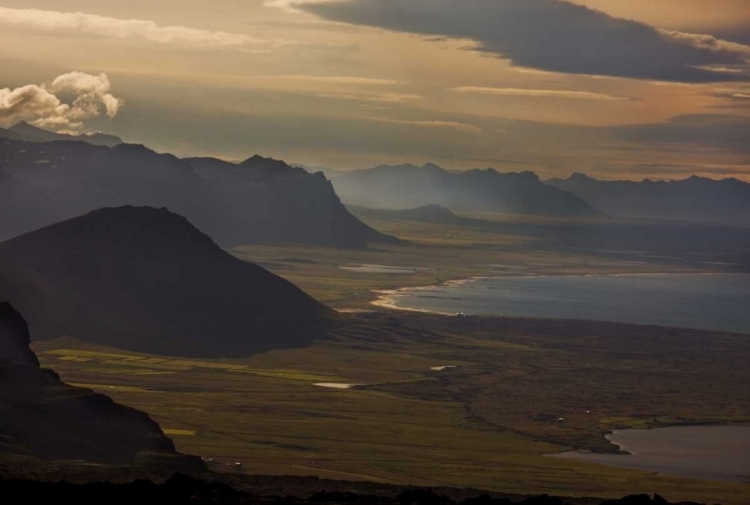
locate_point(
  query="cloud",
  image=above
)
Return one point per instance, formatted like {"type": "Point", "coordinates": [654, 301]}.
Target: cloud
{"type": "Point", "coordinates": [343, 79]}
{"type": "Point", "coordinates": [536, 93]}
{"type": "Point", "coordinates": [78, 23]}
{"type": "Point", "coordinates": [43, 107]}
{"type": "Point", "coordinates": [550, 35]}
{"type": "Point", "coordinates": [429, 124]}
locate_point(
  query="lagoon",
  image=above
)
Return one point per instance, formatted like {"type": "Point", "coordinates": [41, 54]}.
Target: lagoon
{"type": "Point", "coordinates": [709, 452]}
{"type": "Point", "coordinates": [718, 302]}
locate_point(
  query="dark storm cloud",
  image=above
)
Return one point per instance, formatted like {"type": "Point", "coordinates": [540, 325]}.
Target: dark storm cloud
{"type": "Point", "coordinates": [550, 35]}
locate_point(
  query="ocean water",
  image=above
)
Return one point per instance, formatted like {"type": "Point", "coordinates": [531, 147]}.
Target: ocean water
{"type": "Point", "coordinates": [702, 301]}
{"type": "Point", "coordinates": [709, 452]}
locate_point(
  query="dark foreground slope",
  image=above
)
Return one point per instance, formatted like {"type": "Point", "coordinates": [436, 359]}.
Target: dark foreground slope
{"type": "Point", "coordinates": [408, 186]}
{"type": "Point", "coordinates": [258, 201]}
{"type": "Point", "coordinates": [44, 418]}
{"type": "Point", "coordinates": [147, 280]}
{"type": "Point", "coordinates": [181, 489]}
{"type": "Point", "coordinates": [726, 201]}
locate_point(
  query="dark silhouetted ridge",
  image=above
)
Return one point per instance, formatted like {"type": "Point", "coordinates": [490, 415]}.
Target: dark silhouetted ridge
{"type": "Point", "coordinates": [147, 280]}
{"type": "Point", "coordinates": [44, 418]}
{"type": "Point", "coordinates": [30, 133]}
{"type": "Point", "coordinates": [258, 202]}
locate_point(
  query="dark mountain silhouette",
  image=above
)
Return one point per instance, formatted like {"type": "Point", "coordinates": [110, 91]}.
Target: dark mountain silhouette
{"type": "Point", "coordinates": [408, 186]}
{"type": "Point", "coordinates": [45, 418]}
{"type": "Point", "coordinates": [697, 198]}
{"type": "Point", "coordinates": [147, 280]}
{"type": "Point", "coordinates": [29, 133]}
{"type": "Point", "coordinates": [258, 201]}
{"type": "Point", "coordinates": [434, 214]}
{"type": "Point", "coordinates": [266, 200]}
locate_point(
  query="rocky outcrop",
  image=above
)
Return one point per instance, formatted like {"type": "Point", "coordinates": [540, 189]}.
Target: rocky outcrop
{"type": "Point", "coordinates": [42, 417]}
{"type": "Point", "coordinates": [14, 337]}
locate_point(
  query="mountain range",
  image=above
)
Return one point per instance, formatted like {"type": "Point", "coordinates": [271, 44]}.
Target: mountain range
{"type": "Point", "coordinates": [258, 201]}
{"type": "Point", "coordinates": [409, 186]}
{"type": "Point", "coordinates": [147, 280]}
{"type": "Point", "coordinates": [44, 418]}
{"type": "Point", "coordinates": [724, 201]}
{"type": "Point", "coordinates": [29, 133]}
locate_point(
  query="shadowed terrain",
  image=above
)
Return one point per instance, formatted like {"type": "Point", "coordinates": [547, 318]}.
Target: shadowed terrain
{"type": "Point", "coordinates": [146, 279]}
{"type": "Point", "coordinates": [45, 418]}
{"type": "Point", "coordinates": [258, 201]}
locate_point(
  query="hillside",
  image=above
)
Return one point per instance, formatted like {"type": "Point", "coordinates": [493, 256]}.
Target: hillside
{"type": "Point", "coordinates": [29, 133]}
{"type": "Point", "coordinates": [47, 419]}
{"type": "Point", "coordinates": [147, 280]}
{"type": "Point", "coordinates": [408, 186]}
{"type": "Point", "coordinates": [258, 201]}
{"type": "Point", "coordinates": [699, 199]}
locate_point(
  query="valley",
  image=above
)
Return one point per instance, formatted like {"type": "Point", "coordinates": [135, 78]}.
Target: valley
{"type": "Point", "coordinates": [436, 401]}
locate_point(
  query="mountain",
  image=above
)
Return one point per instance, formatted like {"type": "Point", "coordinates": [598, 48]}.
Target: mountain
{"type": "Point", "coordinates": [698, 199]}
{"type": "Point", "coordinates": [29, 133]}
{"type": "Point", "coordinates": [45, 418]}
{"type": "Point", "coordinates": [266, 200]}
{"type": "Point", "coordinates": [258, 201]}
{"type": "Point", "coordinates": [147, 280]}
{"type": "Point", "coordinates": [407, 186]}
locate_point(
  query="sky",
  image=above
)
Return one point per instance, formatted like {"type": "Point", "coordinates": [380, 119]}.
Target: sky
{"type": "Point", "coordinates": [617, 89]}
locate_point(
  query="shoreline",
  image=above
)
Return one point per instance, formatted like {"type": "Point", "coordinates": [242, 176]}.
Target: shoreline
{"type": "Point", "coordinates": [384, 297]}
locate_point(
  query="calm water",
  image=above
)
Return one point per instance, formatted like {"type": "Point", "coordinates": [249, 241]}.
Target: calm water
{"type": "Point", "coordinates": [703, 301]}
{"type": "Point", "coordinates": [709, 452]}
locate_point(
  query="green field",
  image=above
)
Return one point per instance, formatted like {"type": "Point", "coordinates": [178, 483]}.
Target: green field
{"type": "Point", "coordinates": [486, 423]}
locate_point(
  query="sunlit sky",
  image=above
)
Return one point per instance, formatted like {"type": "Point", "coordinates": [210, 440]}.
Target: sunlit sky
{"type": "Point", "coordinates": [633, 89]}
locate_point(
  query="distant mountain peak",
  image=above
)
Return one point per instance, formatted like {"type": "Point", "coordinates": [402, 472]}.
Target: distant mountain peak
{"type": "Point", "coordinates": [24, 127]}
{"type": "Point", "coordinates": [580, 176]}
{"type": "Point", "coordinates": [270, 170]}
{"type": "Point", "coordinates": [29, 133]}
{"type": "Point", "coordinates": [432, 166]}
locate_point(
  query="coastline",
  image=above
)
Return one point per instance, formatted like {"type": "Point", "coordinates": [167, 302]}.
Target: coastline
{"type": "Point", "coordinates": [384, 297]}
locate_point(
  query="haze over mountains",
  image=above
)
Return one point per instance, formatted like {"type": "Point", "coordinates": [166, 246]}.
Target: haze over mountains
{"type": "Point", "coordinates": [408, 186]}
{"type": "Point", "coordinates": [258, 201]}
{"type": "Point", "coordinates": [44, 418]}
{"type": "Point", "coordinates": [146, 280]}
{"type": "Point", "coordinates": [696, 198]}
{"type": "Point", "coordinates": [29, 133]}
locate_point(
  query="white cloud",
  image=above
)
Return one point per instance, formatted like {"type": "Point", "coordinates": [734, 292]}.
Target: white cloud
{"type": "Point", "coordinates": [540, 93]}
{"type": "Point", "coordinates": [41, 105]}
{"type": "Point", "coordinates": [79, 23]}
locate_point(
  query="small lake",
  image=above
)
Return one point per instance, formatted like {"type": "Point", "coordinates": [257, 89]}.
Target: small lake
{"type": "Point", "coordinates": [702, 301]}
{"type": "Point", "coordinates": [708, 452]}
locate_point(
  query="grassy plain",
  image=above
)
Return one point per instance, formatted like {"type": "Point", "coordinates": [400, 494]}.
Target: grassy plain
{"type": "Point", "coordinates": [486, 423]}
